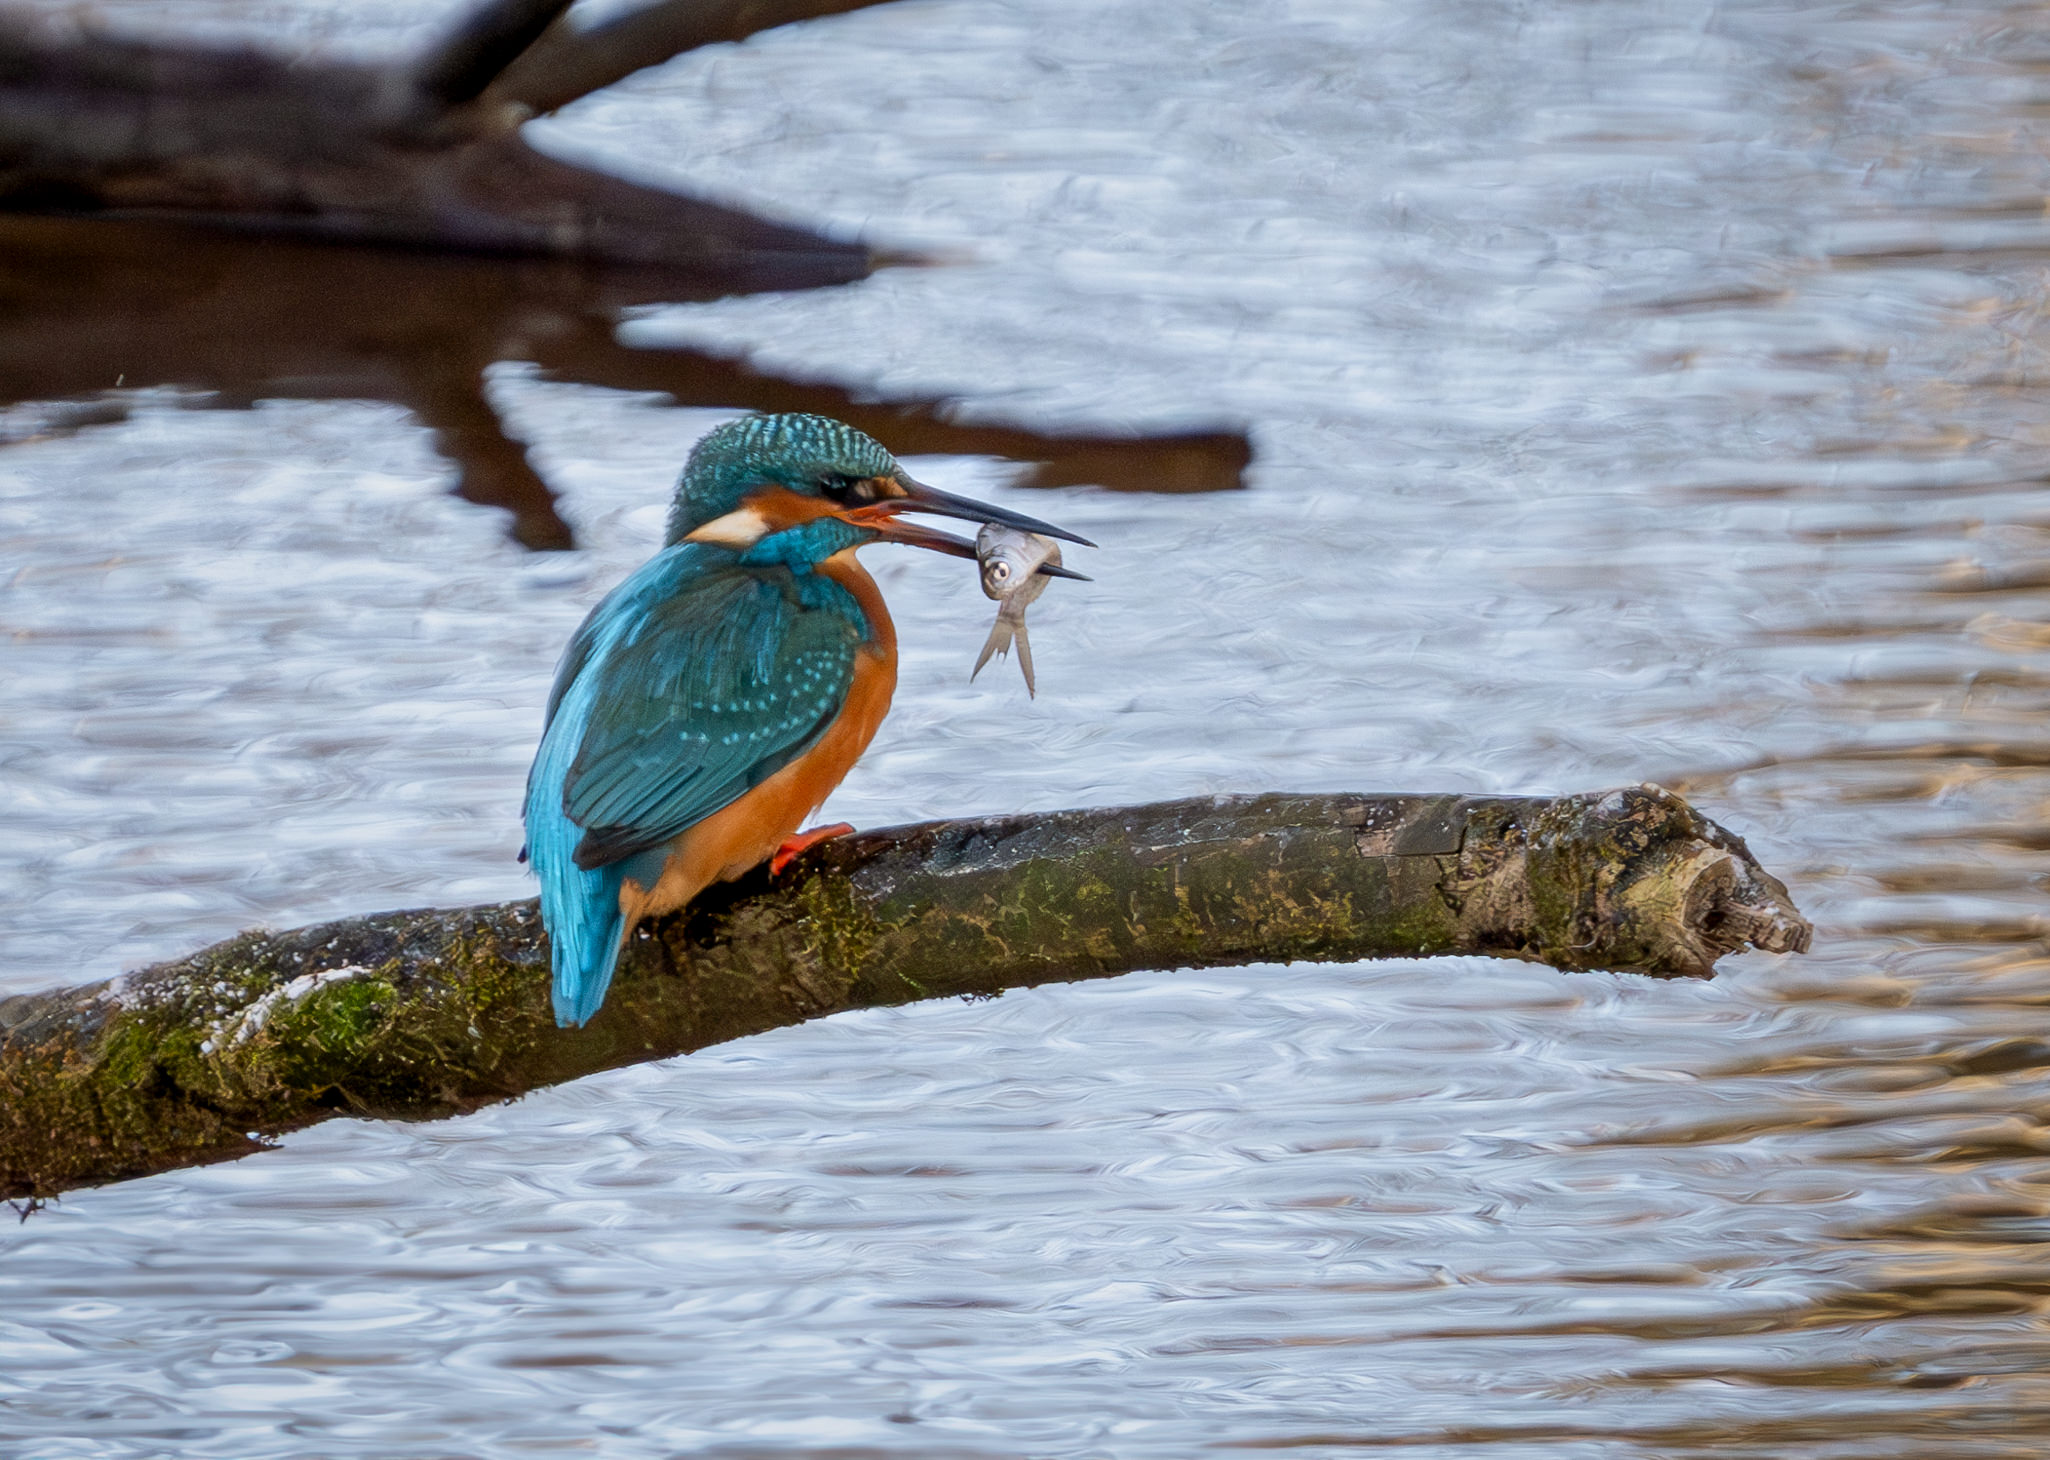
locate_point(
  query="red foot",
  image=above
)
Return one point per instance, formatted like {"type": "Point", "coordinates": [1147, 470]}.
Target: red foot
{"type": "Point", "coordinates": [792, 845]}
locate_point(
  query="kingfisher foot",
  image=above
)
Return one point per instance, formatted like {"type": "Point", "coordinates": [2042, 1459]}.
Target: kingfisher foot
{"type": "Point", "coordinates": [792, 845]}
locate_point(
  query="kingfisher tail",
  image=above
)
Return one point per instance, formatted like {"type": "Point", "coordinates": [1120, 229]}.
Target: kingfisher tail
{"type": "Point", "coordinates": [579, 908]}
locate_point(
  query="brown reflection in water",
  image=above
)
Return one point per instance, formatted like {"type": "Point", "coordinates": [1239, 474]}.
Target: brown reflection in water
{"type": "Point", "coordinates": [1923, 784]}
{"type": "Point", "coordinates": [89, 306]}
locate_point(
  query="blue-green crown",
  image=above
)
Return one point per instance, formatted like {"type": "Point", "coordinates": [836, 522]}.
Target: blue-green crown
{"type": "Point", "coordinates": [795, 451]}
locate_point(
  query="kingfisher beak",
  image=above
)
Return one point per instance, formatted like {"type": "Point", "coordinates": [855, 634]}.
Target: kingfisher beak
{"type": "Point", "coordinates": [918, 497]}
{"type": "Point", "coordinates": [881, 518]}
{"type": "Point", "coordinates": [886, 521]}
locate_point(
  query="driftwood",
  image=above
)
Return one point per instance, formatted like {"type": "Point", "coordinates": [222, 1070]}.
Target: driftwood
{"type": "Point", "coordinates": [418, 1015]}
{"type": "Point", "coordinates": [421, 152]}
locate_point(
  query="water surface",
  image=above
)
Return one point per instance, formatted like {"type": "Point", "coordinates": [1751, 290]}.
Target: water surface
{"type": "Point", "coordinates": [1640, 392]}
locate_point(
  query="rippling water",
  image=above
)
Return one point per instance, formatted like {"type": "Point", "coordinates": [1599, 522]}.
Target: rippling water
{"type": "Point", "coordinates": [1641, 391]}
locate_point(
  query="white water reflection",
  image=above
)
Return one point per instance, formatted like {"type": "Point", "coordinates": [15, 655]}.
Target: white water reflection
{"type": "Point", "coordinates": [1640, 392]}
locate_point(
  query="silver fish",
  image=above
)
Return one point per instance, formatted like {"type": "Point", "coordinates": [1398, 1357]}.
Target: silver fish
{"type": "Point", "coordinates": [1011, 561]}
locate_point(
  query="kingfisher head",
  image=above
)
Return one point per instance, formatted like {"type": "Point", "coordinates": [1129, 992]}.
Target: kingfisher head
{"type": "Point", "coordinates": [763, 475]}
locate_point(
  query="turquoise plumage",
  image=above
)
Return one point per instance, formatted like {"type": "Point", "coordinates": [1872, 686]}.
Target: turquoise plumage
{"type": "Point", "coordinates": [692, 682]}
{"type": "Point", "coordinates": [795, 451]}
{"type": "Point", "coordinates": [727, 658]}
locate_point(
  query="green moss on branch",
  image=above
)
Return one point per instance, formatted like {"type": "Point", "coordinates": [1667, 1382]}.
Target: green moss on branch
{"type": "Point", "coordinates": [418, 1015]}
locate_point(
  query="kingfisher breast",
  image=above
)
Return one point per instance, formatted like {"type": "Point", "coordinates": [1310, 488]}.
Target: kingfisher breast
{"type": "Point", "coordinates": [781, 803]}
{"type": "Point", "coordinates": [826, 764]}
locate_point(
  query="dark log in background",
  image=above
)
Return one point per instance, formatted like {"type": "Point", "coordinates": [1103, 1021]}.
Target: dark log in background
{"type": "Point", "coordinates": [419, 152]}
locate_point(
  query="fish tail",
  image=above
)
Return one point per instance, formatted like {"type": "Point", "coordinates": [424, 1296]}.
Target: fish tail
{"type": "Point", "coordinates": [998, 642]}
{"type": "Point", "coordinates": [1024, 646]}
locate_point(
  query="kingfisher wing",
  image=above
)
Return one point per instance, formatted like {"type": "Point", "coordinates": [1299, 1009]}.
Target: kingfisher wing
{"type": "Point", "coordinates": [714, 688]}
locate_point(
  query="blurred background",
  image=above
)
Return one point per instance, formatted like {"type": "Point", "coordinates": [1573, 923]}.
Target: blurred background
{"type": "Point", "coordinates": [1635, 391]}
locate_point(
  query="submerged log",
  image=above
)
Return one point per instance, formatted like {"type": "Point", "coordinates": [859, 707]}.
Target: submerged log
{"type": "Point", "coordinates": [419, 1015]}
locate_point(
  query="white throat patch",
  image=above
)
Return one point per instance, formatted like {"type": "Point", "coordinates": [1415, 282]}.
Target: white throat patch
{"type": "Point", "coordinates": [739, 529]}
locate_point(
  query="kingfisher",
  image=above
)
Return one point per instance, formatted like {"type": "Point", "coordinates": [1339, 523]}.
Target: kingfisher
{"type": "Point", "coordinates": [712, 701]}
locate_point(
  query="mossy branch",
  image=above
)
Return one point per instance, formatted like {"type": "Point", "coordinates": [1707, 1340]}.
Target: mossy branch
{"type": "Point", "coordinates": [418, 1015]}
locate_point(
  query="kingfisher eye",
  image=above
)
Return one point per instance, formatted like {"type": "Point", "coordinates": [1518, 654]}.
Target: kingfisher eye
{"type": "Point", "coordinates": [845, 489]}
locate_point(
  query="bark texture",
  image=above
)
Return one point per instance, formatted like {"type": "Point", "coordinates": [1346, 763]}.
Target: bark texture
{"type": "Point", "coordinates": [419, 1015]}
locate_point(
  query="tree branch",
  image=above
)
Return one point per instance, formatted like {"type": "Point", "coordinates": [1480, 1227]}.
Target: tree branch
{"type": "Point", "coordinates": [419, 1015]}
{"type": "Point", "coordinates": [567, 63]}
{"type": "Point", "coordinates": [481, 45]}
{"type": "Point", "coordinates": [90, 124]}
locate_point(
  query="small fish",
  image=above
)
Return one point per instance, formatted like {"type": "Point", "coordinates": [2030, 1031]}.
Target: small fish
{"type": "Point", "coordinates": [1015, 567]}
